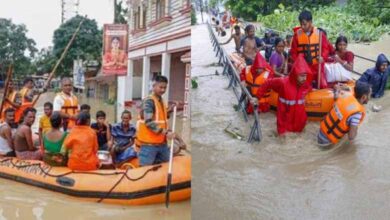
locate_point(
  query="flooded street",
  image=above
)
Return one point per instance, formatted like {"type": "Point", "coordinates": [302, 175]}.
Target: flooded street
{"type": "Point", "coordinates": [20, 201]}
{"type": "Point", "coordinates": [275, 179]}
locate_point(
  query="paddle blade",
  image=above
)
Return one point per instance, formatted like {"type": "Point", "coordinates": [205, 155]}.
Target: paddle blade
{"type": "Point", "coordinates": [168, 190]}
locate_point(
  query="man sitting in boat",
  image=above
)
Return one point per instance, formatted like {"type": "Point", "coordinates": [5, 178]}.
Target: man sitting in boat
{"type": "Point", "coordinates": [152, 126]}
{"type": "Point", "coordinates": [6, 142]}
{"type": "Point", "coordinates": [341, 66]}
{"type": "Point", "coordinates": [53, 141]}
{"type": "Point", "coordinates": [291, 115]}
{"type": "Point", "coordinates": [251, 44]}
{"type": "Point", "coordinates": [345, 117]}
{"type": "Point", "coordinates": [377, 76]}
{"type": "Point", "coordinates": [123, 134]}
{"type": "Point", "coordinates": [67, 104]}
{"type": "Point", "coordinates": [23, 142]}
{"type": "Point", "coordinates": [253, 77]}
{"type": "Point", "coordinates": [306, 41]}
{"type": "Point", "coordinates": [237, 38]}
{"type": "Point", "coordinates": [82, 142]}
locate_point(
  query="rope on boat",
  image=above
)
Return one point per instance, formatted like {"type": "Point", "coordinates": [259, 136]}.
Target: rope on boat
{"type": "Point", "coordinates": [154, 168]}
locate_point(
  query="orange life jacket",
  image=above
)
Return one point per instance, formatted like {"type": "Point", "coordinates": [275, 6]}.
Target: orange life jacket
{"type": "Point", "coordinates": [10, 97]}
{"type": "Point", "coordinates": [23, 92]}
{"type": "Point", "coordinates": [335, 126]}
{"type": "Point", "coordinates": [19, 111]}
{"type": "Point", "coordinates": [254, 84]}
{"type": "Point", "coordinates": [309, 45]}
{"type": "Point", "coordinates": [146, 136]}
{"type": "Point", "coordinates": [69, 107]}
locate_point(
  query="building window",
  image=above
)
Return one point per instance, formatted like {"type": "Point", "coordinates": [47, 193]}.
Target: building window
{"type": "Point", "coordinates": [160, 9]}
{"type": "Point", "coordinates": [139, 22]}
{"type": "Point", "coordinates": [137, 19]}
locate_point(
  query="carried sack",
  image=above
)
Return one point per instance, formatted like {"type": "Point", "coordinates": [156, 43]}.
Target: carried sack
{"type": "Point", "coordinates": [335, 72]}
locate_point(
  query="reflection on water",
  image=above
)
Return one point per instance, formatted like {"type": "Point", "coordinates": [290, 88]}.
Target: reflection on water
{"type": "Point", "coordinates": [281, 179]}
{"type": "Point", "coordinates": [20, 201]}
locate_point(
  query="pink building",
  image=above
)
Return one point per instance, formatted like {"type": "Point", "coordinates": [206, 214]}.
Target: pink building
{"type": "Point", "coordinates": [159, 43]}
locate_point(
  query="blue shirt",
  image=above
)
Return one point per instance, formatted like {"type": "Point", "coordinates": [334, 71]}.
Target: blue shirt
{"type": "Point", "coordinates": [122, 137]}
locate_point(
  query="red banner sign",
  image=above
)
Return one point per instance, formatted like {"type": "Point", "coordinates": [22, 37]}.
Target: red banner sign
{"type": "Point", "coordinates": [115, 39]}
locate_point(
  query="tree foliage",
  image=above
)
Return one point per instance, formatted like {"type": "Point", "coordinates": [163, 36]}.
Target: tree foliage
{"type": "Point", "coordinates": [373, 10]}
{"type": "Point", "coordinates": [44, 61]}
{"type": "Point", "coordinates": [14, 46]}
{"type": "Point", "coordinates": [87, 44]}
{"type": "Point", "coordinates": [249, 9]}
{"type": "Point", "coordinates": [335, 20]}
{"type": "Point", "coordinates": [120, 13]}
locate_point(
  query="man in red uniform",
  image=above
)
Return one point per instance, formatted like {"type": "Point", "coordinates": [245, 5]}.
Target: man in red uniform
{"type": "Point", "coordinates": [291, 114]}
{"type": "Point", "coordinates": [253, 77]}
{"type": "Point", "coordinates": [306, 41]}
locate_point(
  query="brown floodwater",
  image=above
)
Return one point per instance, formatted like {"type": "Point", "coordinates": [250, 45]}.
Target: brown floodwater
{"type": "Point", "coordinates": [20, 201]}
{"type": "Point", "coordinates": [276, 179]}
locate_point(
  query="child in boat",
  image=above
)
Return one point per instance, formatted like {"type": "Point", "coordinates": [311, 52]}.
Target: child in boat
{"type": "Point", "coordinates": [53, 141]}
{"type": "Point", "coordinates": [278, 60]}
{"type": "Point", "coordinates": [291, 115]}
{"type": "Point", "coordinates": [377, 76]}
{"type": "Point", "coordinates": [251, 44]}
{"type": "Point", "coordinates": [237, 38]}
{"type": "Point", "coordinates": [123, 134]}
{"type": "Point", "coordinates": [82, 141]}
{"type": "Point", "coordinates": [152, 126]}
{"type": "Point", "coordinates": [103, 131]}
{"type": "Point", "coordinates": [23, 142]}
{"type": "Point", "coordinates": [44, 121]}
{"type": "Point", "coordinates": [345, 117]}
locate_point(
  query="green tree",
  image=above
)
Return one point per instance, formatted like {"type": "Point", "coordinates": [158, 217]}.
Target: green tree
{"type": "Point", "coordinates": [44, 61]}
{"type": "Point", "coordinates": [87, 44]}
{"type": "Point", "coordinates": [120, 13]}
{"type": "Point", "coordinates": [373, 10]}
{"type": "Point", "coordinates": [14, 45]}
{"type": "Point", "coordinates": [250, 9]}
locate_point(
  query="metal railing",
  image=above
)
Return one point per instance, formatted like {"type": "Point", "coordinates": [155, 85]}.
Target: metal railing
{"type": "Point", "coordinates": [241, 92]}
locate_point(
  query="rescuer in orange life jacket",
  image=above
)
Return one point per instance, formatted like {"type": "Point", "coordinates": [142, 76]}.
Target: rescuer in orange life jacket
{"type": "Point", "coordinates": [306, 41]}
{"type": "Point", "coordinates": [345, 117]}
{"type": "Point", "coordinates": [253, 77]}
{"type": "Point", "coordinates": [67, 103]}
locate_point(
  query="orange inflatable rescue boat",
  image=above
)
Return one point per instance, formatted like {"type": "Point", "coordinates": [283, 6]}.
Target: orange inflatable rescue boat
{"type": "Point", "coordinates": [138, 186]}
{"type": "Point", "coordinates": [317, 102]}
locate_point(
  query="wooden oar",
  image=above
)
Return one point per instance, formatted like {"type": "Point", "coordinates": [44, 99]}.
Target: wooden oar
{"type": "Point", "coordinates": [6, 85]}
{"type": "Point", "coordinates": [319, 64]}
{"type": "Point", "coordinates": [169, 178]}
{"type": "Point", "coordinates": [59, 60]}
